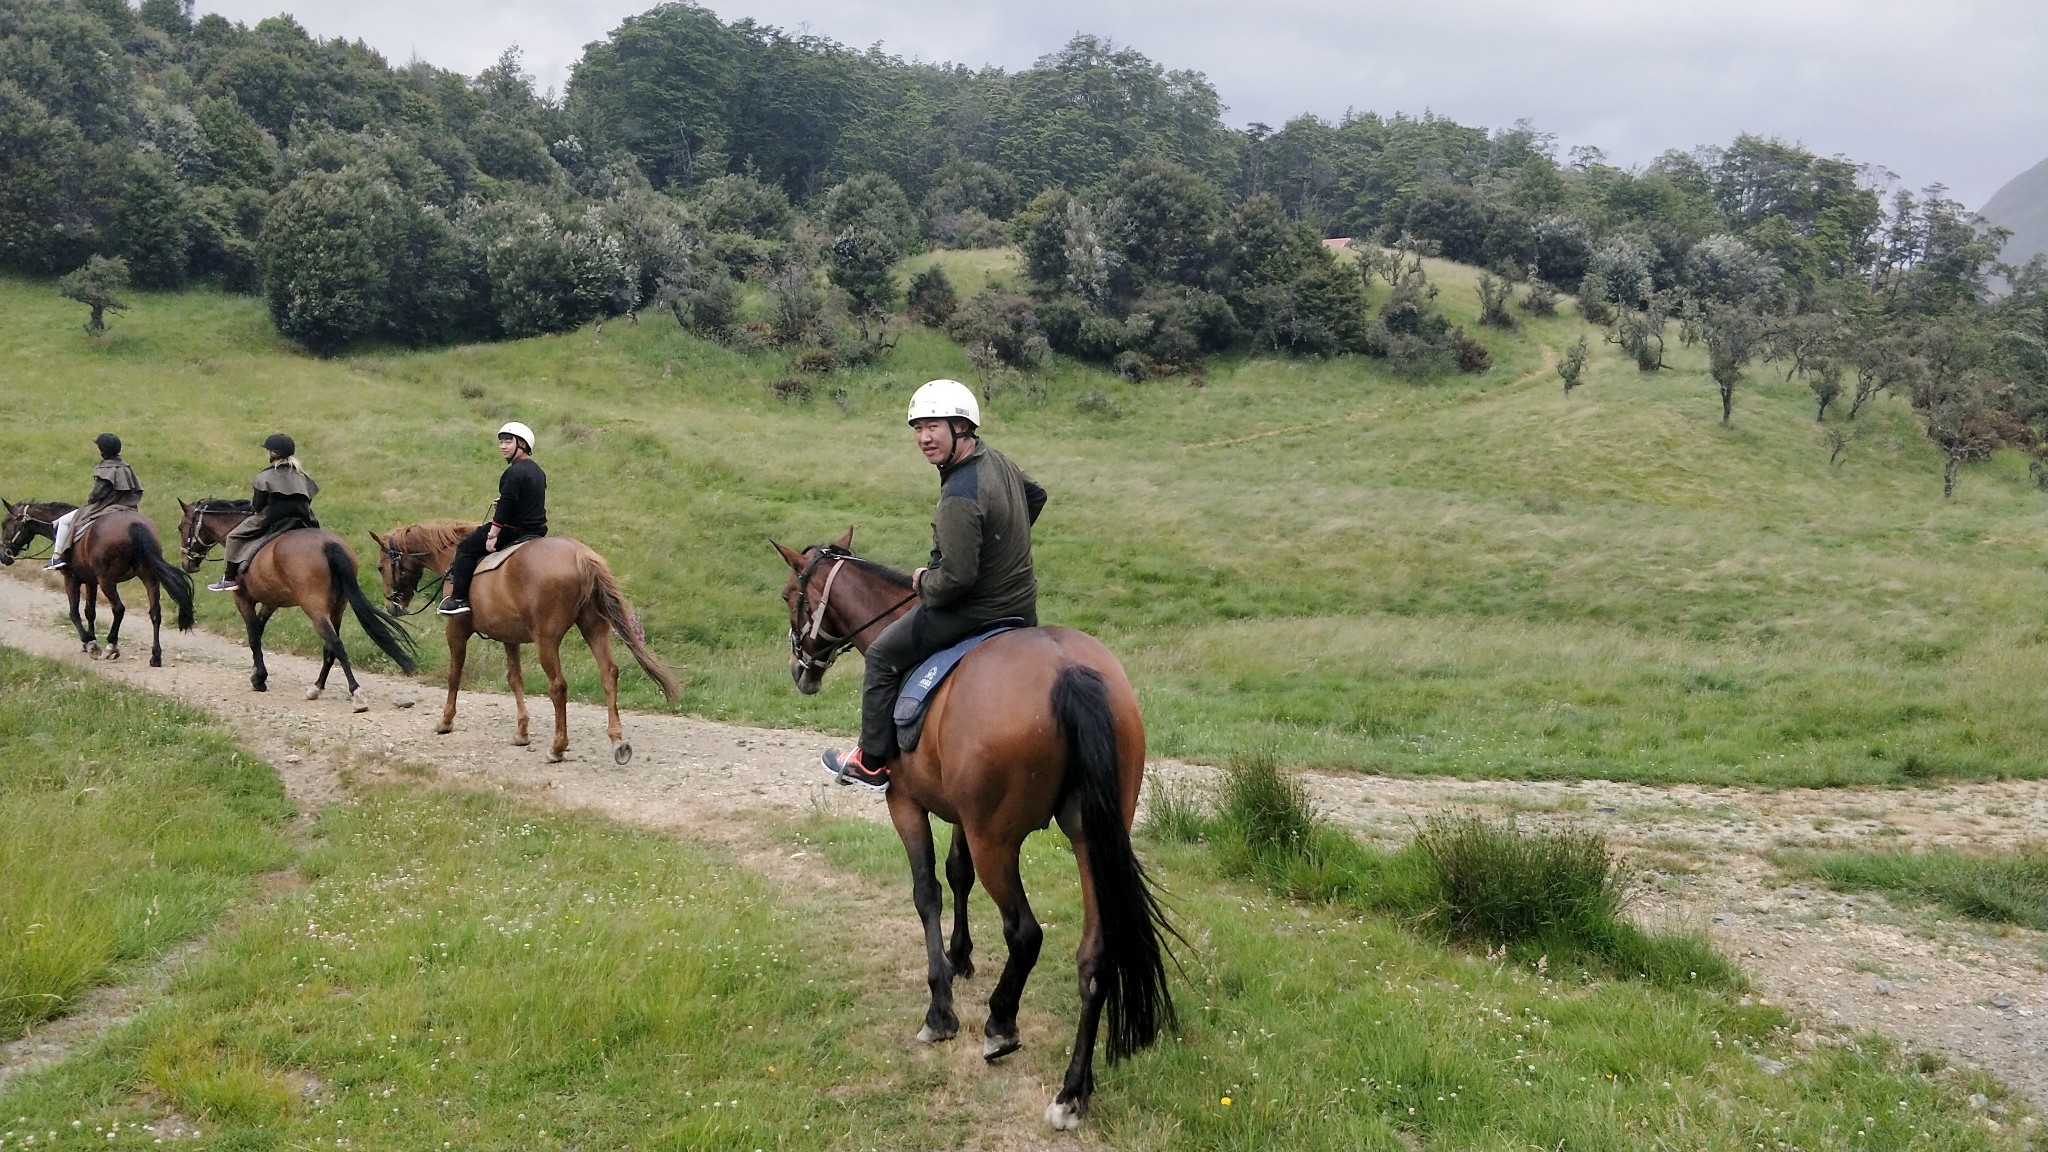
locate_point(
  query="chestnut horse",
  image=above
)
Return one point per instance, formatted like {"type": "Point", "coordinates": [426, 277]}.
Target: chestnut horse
{"type": "Point", "coordinates": [549, 584]}
{"type": "Point", "coordinates": [120, 545]}
{"type": "Point", "coordinates": [1034, 725]}
{"type": "Point", "coordinates": [311, 569]}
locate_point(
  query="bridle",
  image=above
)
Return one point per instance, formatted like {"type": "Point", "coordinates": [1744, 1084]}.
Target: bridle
{"type": "Point", "coordinates": [195, 546]}
{"type": "Point", "coordinates": [804, 636]}
{"type": "Point", "coordinates": [26, 524]}
{"type": "Point", "coordinates": [398, 555]}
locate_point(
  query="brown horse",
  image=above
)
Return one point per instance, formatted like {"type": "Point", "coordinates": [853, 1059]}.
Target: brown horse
{"type": "Point", "coordinates": [311, 569]}
{"type": "Point", "coordinates": [26, 521]}
{"type": "Point", "coordinates": [1035, 725]}
{"type": "Point", "coordinates": [549, 584]}
{"type": "Point", "coordinates": [120, 545]}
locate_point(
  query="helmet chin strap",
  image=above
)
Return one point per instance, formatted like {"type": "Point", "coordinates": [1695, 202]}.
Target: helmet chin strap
{"type": "Point", "coordinates": [953, 448]}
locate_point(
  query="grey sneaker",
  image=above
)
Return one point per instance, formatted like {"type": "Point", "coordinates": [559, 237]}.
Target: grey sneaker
{"type": "Point", "coordinates": [852, 769]}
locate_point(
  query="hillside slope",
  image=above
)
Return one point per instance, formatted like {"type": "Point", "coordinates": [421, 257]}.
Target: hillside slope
{"type": "Point", "coordinates": [1476, 576]}
{"type": "Point", "coordinates": [2022, 205]}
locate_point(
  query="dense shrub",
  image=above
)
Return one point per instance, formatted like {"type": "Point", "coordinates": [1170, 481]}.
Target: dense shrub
{"type": "Point", "coordinates": [872, 203]}
{"type": "Point", "coordinates": [542, 274]}
{"type": "Point", "coordinates": [932, 299]}
{"type": "Point", "coordinates": [1005, 324]}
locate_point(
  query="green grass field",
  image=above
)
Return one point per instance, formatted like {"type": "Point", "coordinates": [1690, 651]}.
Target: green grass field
{"type": "Point", "coordinates": [131, 824]}
{"type": "Point", "coordinates": [1476, 576]}
{"type": "Point", "coordinates": [2008, 887]}
{"type": "Point", "coordinates": [458, 969]}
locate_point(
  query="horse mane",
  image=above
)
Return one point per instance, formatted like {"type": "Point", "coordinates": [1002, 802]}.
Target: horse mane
{"type": "Point", "coordinates": [893, 575]}
{"type": "Point", "coordinates": [432, 535]}
{"type": "Point", "coordinates": [206, 504]}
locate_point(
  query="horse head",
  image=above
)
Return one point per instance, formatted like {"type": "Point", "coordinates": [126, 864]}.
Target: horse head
{"type": "Point", "coordinates": [398, 568]}
{"type": "Point", "coordinates": [15, 532]}
{"type": "Point", "coordinates": [829, 586]}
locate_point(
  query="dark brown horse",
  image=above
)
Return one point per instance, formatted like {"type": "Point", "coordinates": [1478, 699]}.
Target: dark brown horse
{"type": "Point", "coordinates": [1035, 725]}
{"type": "Point", "coordinates": [308, 568]}
{"type": "Point", "coordinates": [26, 521]}
{"type": "Point", "coordinates": [120, 545]}
{"type": "Point", "coordinates": [541, 590]}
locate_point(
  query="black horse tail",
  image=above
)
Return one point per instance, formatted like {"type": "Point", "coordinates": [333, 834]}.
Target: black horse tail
{"type": "Point", "coordinates": [601, 587]}
{"type": "Point", "coordinates": [142, 540]}
{"type": "Point", "coordinates": [386, 631]}
{"type": "Point", "coordinates": [1133, 925]}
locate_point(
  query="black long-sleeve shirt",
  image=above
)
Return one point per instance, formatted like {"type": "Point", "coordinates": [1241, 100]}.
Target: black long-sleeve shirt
{"type": "Point", "coordinates": [981, 539]}
{"type": "Point", "coordinates": [522, 500]}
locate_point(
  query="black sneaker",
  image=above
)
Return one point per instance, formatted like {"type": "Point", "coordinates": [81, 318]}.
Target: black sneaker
{"type": "Point", "coordinates": [453, 606]}
{"type": "Point", "coordinates": [852, 769]}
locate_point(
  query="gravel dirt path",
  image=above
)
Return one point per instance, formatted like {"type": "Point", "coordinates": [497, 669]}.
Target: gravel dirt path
{"type": "Point", "coordinates": [1973, 992]}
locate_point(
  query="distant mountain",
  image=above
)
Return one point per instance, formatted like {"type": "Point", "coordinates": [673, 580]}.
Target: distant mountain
{"type": "Point", "coordinates": [2022, 205]}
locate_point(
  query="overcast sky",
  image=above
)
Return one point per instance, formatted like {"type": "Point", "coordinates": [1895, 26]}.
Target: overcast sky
{"type": "Point", "coordinates": [1935, 90]}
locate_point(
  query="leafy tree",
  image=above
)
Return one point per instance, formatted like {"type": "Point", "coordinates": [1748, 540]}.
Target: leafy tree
{"type": "Point", "coordinates": [349, 255]}
{"type": "Point", "coordinates": [1453, 216]}
{"type": "Point", "coordinates": [41, 170]}
{"type": "Point", "coordinates": [859, 264]}
{"type": "Point", "coordinates": [237, 150]}
{"type": "Point", "coordinates": [1041, 233]}
{"type": "Point", "coordinates": [150, 226]}
{"type": "Point", "coordinates": [1167, 216]}
{"type": "Point", "coordinates": [1005, 325]}
{"type": "Point", "coordinates": [97, 286]}
{"type": "Point", "coordinates": [546, 274]}
{"type": "Point", "coordinates": [1494, 297]}
{"type": "Point", "coordinates": [1722, 267]}
{"type": "Point", "coordinates": [872, 203]}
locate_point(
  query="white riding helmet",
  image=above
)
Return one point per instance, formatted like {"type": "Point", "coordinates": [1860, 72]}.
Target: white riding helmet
{"type": "Point", "coordinates": [945, 400]}
{"type": "Point", "coordinates": [515, 428]}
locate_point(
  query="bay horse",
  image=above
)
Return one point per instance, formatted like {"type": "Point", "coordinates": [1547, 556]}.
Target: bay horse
{"type": "Point", "coordinates": [551, 583]}
{"type": "Point", "coordinates": [1034, 725]}
{"type": "Point", "coordinates": [311, 569]}
{"type": "Point", "coordinates": [26, 521]}
{"type": "Point", "coordinates": [118, 546]}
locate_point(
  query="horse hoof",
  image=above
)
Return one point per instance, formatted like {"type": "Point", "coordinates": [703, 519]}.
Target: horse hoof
{"type": "Point", "coordinates": [1063, 1117]}
{"type": "Point", "coordinates": [156, 661]}
{"type": "Point", "coordinates": [554, 757]}
{"type": "Point", "coordinates": [931, 1035]}
{"type": "Point", "coordinates": [258, 686]}
{"type": "Point", "coordinates": [313, 693]}
{"type": "Point", "coordinates": [963, 968]}
{"type": "Point", "coordinates": [358, 702]}
{"type": "Point", "coordinates": [994, 1048]}
{"type": "Point", "coordinates": [443, 729]}
{"type": "Point", "coordinates": [622, 753]}
{"type": "Point", "coordinates": [520, 741]}
{"type": "Point", "coordinates": [112, 655]}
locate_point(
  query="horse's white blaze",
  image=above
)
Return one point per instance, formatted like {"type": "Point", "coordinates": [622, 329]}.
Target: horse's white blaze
{"type": "Point", "coordinates": [1063, 1117]}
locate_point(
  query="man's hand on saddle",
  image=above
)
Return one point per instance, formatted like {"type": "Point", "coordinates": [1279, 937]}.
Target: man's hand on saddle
{"type": "Point", "coordinates": [917, 579]}
{"type": "Point", "coordinates": [491, 539]}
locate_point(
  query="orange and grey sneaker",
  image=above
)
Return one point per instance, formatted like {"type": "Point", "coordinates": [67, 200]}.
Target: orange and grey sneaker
{"type": "Point", "coordinates": [851, 768]}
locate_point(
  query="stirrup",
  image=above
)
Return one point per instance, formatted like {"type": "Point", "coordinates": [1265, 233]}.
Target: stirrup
{"type": "Point", "coordinates": [852, 768]}
{"type": "Point", "coordinates": [453, 606]}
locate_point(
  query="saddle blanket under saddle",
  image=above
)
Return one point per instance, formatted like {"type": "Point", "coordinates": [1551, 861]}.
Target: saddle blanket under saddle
{"type": "Point", "coordinates": [918, 688]}
{"type": "Point", "coordinates": [494, 559]}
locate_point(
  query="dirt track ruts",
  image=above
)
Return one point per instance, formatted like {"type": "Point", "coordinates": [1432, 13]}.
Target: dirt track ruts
{"type": "Point", "coordinates": [1843, 964]}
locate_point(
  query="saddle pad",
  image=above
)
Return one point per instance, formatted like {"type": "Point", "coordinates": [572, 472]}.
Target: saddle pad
{"type": "Point", "coordinates": [493, 559]}
{"type": "Point", "coordinates": [918, 689]}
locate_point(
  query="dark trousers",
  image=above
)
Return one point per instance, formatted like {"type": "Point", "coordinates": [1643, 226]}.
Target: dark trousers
{"type": "Point", "coordinates": [897, 652]}
{"type": "Point", "coordinates": [470, 553]}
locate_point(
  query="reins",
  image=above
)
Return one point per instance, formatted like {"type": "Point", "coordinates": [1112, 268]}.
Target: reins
{"type": "Point", "coordinates": [194, 547]}
{"type": "Point", "coordinates": [815, 631]}
{"type": "Point", "coordinates": [425, 595]}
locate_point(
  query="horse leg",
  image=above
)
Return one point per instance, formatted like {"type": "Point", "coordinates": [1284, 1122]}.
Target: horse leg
{"type": "Point", "coordinates": [86, 641]}
{"type": "Point", "coordinates": [1070, 1105]}
{"type": "Point", "coordinates": [156, 619]}
{"type": "Point", "coordinates": [515, 678]}
{"type": "Point", "coordinates": [598, 634]}
{"type": "Point", "coordinates": [458, 650]}
{"type": "Point", "coordinates": [255, 618]}
{"type": "Point", "coordinates": [120, 611]}
{"type": "Point", "coordinates": [331, 650]}
{"type": "Point", "coordinates": [550, 650]}
{"type": "Point", "coordinates": [326, 657]}
{"type": "Point", "coordinates": [914, 828]}
{"type": "Point", "coordinates": [997, 864]}
{"type": "Point", "coordinates": [960, 874]}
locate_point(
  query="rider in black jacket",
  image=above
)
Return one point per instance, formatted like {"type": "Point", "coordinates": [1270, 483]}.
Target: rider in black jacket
{"type": "Point", "coordinates": [519, 513]}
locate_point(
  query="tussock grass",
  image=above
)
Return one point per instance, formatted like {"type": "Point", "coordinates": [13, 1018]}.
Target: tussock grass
{"type": "Point", "coordinates": [131, 824]}
{"type": "Point", "coordinates": [1541, 897]}
{"type": "Point", "coordinates": [2006, 888]}
{"type": "Point", "coordinates": [1473, 576]}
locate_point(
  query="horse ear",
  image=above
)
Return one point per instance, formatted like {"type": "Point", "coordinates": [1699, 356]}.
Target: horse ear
{"type": "Point", "coordinates": [846, 541]}
{"type": "Point", "coordinates": [377, 538]}
{"type": "Point", "coordinates": [4, 500]}
{"type": "Point", "coordinates": [184, 507]}
{"type": "Point", "coordinates": [795, 560]}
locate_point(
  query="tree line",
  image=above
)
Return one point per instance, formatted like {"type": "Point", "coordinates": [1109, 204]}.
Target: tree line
{"type": "Point", "coordinates": [367, 201]}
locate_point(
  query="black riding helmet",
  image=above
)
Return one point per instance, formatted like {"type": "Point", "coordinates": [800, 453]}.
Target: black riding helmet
{"type": "Point", "coordinates": [280, 444]}
{"type": "Point", "coordinates": [109, 445]}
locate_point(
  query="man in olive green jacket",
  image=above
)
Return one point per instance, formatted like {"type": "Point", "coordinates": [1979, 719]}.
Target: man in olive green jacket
{"type": "Point", "coordinates": [980, 570]}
